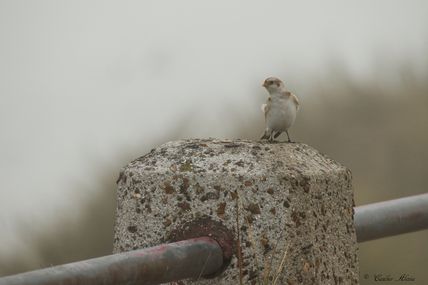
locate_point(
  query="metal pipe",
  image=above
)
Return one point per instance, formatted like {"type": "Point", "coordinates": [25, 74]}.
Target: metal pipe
{"type": "Point", "coordinates": [164, 263]}
{"type": "Point", "coordinates": [203, 256]}
{"type": "Point", "coordinates": [391, 217]}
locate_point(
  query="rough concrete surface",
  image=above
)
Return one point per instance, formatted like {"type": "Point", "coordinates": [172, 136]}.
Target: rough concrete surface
{"type": "Point", "coordinates": [291, 206]}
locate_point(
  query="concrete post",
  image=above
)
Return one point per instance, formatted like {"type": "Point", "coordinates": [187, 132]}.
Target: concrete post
{"type": "Point", "coordinates": [282, 212]}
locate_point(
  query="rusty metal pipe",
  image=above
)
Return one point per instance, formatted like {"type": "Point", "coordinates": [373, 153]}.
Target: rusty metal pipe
{"type": "Point", "coordinates": [203, 256]}
{"type": "Point", "coordinates": [164, 263]}
{"type": "Point", "coordinates": [393, 217]}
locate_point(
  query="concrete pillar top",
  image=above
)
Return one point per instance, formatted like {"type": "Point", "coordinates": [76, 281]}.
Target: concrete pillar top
{"type": "Point", "coordinates": [236, 157]}
{"type": "Point", "coordinates": [283, 212]}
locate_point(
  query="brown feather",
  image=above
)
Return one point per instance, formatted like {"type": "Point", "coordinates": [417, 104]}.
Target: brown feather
{"type": "Point", "coordinates": [293, 97]}
{"type": "Point", "coordinates": [295, 100]}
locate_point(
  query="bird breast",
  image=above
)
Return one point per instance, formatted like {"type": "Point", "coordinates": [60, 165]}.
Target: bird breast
{"type": "Point", "coordinates": [282, 114]}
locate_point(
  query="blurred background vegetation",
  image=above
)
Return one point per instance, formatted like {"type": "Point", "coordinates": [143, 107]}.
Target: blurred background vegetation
{"type": "Point", "coordinates": [379, 133]}
{"type": "Point", "coordinates": [375, 124]}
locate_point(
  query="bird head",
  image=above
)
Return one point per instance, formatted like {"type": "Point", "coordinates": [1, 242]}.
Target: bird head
{"type": "Point", "coordinates": [273, 85]}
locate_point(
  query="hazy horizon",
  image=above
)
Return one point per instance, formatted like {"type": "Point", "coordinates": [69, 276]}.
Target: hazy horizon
{"type": "Point", "coordinates": [87, 86]}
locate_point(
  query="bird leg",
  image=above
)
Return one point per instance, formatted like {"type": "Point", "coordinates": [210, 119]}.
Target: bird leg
{"type": "Point", "coordinates": [277, 134]}
{"type": "Point", "coordinates": [265, 135]}
{"type": "Point", "coordinates": [289, 140]}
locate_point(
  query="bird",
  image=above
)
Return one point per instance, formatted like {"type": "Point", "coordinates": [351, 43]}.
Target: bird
{"type": "Point", "coordinates": [280, 109]}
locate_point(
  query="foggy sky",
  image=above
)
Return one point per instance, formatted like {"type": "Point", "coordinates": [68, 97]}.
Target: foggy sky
{"type": "Point", "coordinates": [83, 82]}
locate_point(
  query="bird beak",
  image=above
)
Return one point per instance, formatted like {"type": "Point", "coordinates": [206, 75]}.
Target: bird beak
{"type": "Point", "coordinates": [264, 84]}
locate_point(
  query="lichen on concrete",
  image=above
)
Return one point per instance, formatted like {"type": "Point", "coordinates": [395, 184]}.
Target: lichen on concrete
{"type": "Point", "coordinates": [292, 207]}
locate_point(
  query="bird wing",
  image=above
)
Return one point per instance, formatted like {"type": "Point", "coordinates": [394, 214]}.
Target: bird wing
{"type": "Point", "coordinates": [294, 98]}
{"type": "Point", "coordinates": [266, 107]}
{"type": "Point", "coordinates": [296, 101]}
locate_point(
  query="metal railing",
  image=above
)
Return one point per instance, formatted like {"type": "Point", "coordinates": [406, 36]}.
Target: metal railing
{"type": "Point", "coordinates": [199, 257]}
{"type": "Point", "coordinates": [164, 263]}
{"type": "Point", "coordinates": [393, 217]}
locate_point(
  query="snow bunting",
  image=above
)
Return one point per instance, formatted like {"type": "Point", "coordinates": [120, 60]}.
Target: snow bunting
{"type": "Point", "coordinates": [280, 109]}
